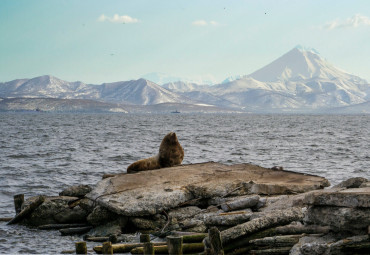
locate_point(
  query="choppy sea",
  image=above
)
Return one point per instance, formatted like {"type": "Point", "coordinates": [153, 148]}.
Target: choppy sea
{"type": "Point", "coordinates": [43, 153]}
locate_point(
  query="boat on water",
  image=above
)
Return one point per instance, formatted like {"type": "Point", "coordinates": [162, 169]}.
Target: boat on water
{"type": "Point", "coordinates": [175, 111]}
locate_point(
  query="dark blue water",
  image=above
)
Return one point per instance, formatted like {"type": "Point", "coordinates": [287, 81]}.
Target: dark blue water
{"type": "Point", "coordinates": [43, 153]}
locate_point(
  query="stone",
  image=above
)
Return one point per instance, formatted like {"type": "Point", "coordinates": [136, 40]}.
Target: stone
{"type": "Point", "coordinates": [71, 215]}
{"type": "Point", "coordinates": [56, 210]}
{"type": "Point", "coordinates": [184, 212]}
{"type": "Point", "coordinates": [151, 192]}
{"type": "Point", "coordinates": [365, 185]}
{"type": "Point", "coordinates": [76, 191]}
{"type": "Point", "coordinates": [147, 223]}
{"type": "Point", "coordinates": [111, 228]}
{"type": "Point", "coordinates": [344, 198]}
{"type": "Point", "coordinates": [87, 205]}
{"type": "Point", "coordinates": [354, 182]}
{"type": "Point", "coordinates": [100, 215]}
{"type": "Point", "coordinates": [347, 219]}
{"type": "Point", "coordinates": [313, 245]}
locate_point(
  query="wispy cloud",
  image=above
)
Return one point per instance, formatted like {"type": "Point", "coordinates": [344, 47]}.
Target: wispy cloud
{"type": "Point", "coordinates": [201, 23]}
{"type": "Point", "coordinates": [118, 19]}
{"type": "Point", "coordinates": [352, 22]}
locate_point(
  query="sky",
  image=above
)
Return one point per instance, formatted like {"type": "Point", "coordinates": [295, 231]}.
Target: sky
{"type": "Point", "coordinates": [202, 40]}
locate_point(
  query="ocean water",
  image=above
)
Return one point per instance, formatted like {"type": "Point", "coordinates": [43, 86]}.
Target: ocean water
{"type": "Point", "coordinates": [42, 153]}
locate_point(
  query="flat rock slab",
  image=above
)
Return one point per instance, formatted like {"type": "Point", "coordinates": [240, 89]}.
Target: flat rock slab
{"type": "Point", "coordinates": [151, 192]}
{"type": "Point", "coordinates": [343, 198]}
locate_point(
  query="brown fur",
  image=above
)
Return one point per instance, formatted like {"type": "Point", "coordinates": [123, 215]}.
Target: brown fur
{"type": "Point", "coordinates": [170, 154]}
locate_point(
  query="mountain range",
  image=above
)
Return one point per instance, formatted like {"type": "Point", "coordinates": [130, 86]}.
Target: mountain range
{"type": "Point", "coordinates": [299, 81]}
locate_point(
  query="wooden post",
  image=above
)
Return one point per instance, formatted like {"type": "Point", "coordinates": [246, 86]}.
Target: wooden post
{"type": "Point", "coordinates": [144, 238]}
{"type": "Point", "coordinates": [27, 210]}
{"type": "Point", "coordinates": [107, 248]}
{"type": "Point", "coordinates": [18, 202]}
{"type": "Point", "coordinates": [113, 238]}
{"type": "Point", "coordinates": [81, 248]}
{"type": "Point", "coordinates": [174, 244]}
{"type": "Point", "coordinates": [148, 248]}
{"type": "Point", "coordinates": [215, 241]}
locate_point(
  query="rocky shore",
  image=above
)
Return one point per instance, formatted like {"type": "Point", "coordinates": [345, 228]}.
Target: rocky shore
{"type": "Point", "coordinates": [247, 208]}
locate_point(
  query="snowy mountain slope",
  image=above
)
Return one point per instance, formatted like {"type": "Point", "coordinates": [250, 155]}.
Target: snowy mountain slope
{"type": "Point", "coordinates": [299, 64]}
{"type": "Point", "coordinates": [140, 92]}
{"type": "Point", "coordinates": [180, 86]}
{"type": "Point", "coordinates": [301, 75]}
{"type": "Point", "coordinates": [46, 86]}
{"type": "Point", "coordinates": [300, 80]}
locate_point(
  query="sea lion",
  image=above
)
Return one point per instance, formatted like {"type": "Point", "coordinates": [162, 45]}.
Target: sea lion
{"type": "Point", "coordinates": [170, 154]}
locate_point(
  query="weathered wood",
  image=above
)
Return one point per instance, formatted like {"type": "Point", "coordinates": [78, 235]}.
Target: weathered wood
{"type": "Point", "coordinates": [27, 210]}
{"type": "Point", "coordinates": [174, 244]}
{"type": "Point", "coordinates": [124, 248]}
{"type": "Point", "coordinates": [81, 248]}
{"type": "Point", "coordinates": [194, 238]}
{"type": "Point", "coordinates": [60, 226]}
{"type": "Point", "coordinates": [163, 249]}
{"type": "Point", "coordinates": [74, 231]}
{"type": "Point", "coordinates": [243, 242]}
{"type": "Point", "coordinates": [215, 241]}
{"type": "Point", "coordinates": [148, 248]}
{"type": "Point", "coordinates": [99, 239]}
{"type": "Point", "coordinates": [300, 229]}
{"type": "Point", "coordinates": [245, 202]}
{"type": "Point", "coordinates": [233, 213]}
{"type": "Point", "coordinates": [277, 241]}
{"type": "Point", "coordinates": [227, 220]}
{"type": "Point", "coordinates": [273, 251]}
{"type": "Point", "coordinates": [113, 239]}
{"type": "Point", "coordinates": [18, 202]}
{"type": "Point", "coordinates": [107, 248]}
{"type": "Point", "coordinates": [144, 238]}
{"type": "Point", "coordinates": [277, 218]}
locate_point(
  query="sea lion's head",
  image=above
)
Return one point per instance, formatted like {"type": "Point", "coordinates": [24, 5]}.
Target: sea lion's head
{"type": "Point", "coordinates": [170, 152]}
{"type": "Point", "coordinates": [170, 139]}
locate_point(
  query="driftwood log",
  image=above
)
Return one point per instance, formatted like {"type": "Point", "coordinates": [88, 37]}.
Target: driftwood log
{"type": "Point", "coordinates": [241, 203]}
{"type": "Point", "coordinates": [60, 226]}
{"type": "Point", "coordinates": [124, 248]}
{"type": "Point", "coordinates": [227, 219]}
{"type": "Point", "coordinates": [276, 241]}
{"type": "Point", "coordinates": [74, 231]}
{"type": "Point", "coordinates": [277, 218]}
{"type": "Point", "coordinates": [27, 210]}
{"type": "Point", "coordinates": [186, 248]}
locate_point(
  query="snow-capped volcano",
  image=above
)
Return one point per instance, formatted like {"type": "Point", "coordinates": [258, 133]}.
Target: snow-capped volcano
{"type": "Point", "coordinates": [300, 64]}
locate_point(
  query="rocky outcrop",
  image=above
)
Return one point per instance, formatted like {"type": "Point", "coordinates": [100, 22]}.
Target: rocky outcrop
{"type": "Point", "coordinates": [343, 210]}
{"type": "Point", "coordinates": [76, 191]}
{"type": "Point", "coordinates": [56, 210]}
{"type": "Point", "coordinates": [151, 192]}
{"type": "Point", "coordinates": [257, 210]}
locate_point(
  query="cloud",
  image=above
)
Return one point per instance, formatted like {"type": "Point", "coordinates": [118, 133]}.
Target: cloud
{"type": "Point", "coordinates": [353, 22]}
{"type": "Point", "coordinates": [118, 19]}
{"type": "Point", "coordinates": [202, 23]}
{"type": "Point", "coordinates": [199, 23]}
